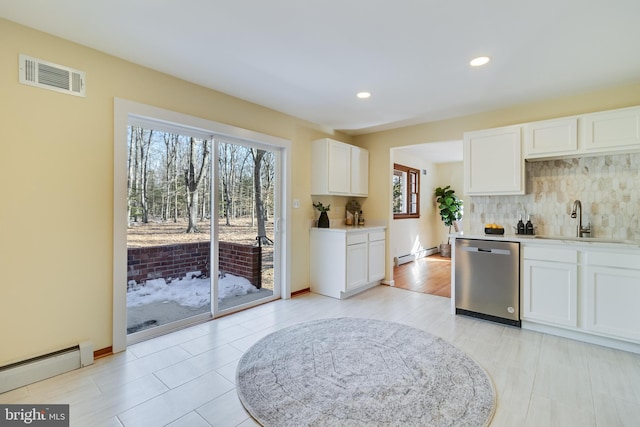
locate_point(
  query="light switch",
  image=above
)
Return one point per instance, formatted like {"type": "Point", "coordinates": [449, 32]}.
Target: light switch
{"type": "Point", "coordinates": [296, 203]}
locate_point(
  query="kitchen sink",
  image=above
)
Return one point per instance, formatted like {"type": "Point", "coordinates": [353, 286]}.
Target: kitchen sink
{"type": "Point", "coordinates": [588, 239]}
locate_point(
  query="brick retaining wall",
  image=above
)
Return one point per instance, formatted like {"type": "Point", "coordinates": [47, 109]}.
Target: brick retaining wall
{"type": "Point", "coordinates": [240, 260]}
{"type": "Point", "coordinates": [177, 260]}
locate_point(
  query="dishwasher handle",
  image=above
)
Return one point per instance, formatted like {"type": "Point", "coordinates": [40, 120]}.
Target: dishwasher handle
{"type": "Point", "coordinates": [486, 251]}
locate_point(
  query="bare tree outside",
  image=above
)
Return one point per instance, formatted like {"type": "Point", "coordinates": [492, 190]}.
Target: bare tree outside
{"type": "Point", "coordinates": [171, 143]}
{"type": "Point", "coordinates": [228, 171]}
{"type": "Point", "coordinates": [170, 186]}
{"type": "Point", "coordinates": [169, 179]}
{"type": "Point", "coordinates": [193, 178]}
{"type": "Point", "coordinates": [261, 215]}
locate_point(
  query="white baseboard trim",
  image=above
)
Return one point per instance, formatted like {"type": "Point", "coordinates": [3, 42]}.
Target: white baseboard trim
{"type": "Point", "coordinates": [403, 259]}
{"type": "Point", "coordinates": [581, 336]}
{"type": "Point", "coordinates": [40, 368]}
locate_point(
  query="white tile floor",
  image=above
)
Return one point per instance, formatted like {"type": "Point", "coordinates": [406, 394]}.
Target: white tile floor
{"type": "Point", "coordinates": [187, 378]}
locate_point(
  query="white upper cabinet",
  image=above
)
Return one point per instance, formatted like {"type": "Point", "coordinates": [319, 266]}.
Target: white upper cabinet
{"type": "Point", "coordinates": [614, 130]}
{"type": "Point", "coordinates": [359, 171]}
{"type": "Point", "coordinates": [339, 169]}
{"type": "Point", "coordinates": [605, 132]}
{"type": "Point", "coordinates": [551, 138]}
{"type": "Point", "coordinates": [493, 162]}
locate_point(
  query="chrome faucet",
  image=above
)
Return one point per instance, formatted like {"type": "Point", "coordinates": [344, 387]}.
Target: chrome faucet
{"type": "Point", "coordinates": [577, 213]}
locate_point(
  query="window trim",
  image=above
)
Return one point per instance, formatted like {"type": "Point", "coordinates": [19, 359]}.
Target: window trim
{"type": "Point", "coordinates": [408, 194]}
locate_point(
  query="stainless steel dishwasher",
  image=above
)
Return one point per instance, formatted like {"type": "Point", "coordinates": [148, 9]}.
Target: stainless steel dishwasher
{"type": "Point", "coordinates": [487, 280]}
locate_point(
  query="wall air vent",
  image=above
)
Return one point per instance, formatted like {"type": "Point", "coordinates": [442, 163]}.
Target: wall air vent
{"type": "Point", "coordinates": [47, 75]}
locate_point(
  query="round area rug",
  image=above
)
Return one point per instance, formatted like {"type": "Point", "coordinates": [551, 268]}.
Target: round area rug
{"type": "Point", "coordinates": [362, 372]}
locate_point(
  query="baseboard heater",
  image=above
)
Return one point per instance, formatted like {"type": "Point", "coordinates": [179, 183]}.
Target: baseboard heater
{"type": "Point", "coordinates": [403, 259]}
{"type": "Point", "coordinates": [46, 366]}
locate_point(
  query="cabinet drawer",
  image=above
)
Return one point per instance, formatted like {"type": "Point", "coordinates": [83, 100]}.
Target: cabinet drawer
{"type": "Point", "coordinates": [374, 236]}
{"type": "Point", "coordinates": [614, 259]}
{"type": "Point", "coordinates": [355, 238]}
{"type": "Point", "coordinates": [545, 253]}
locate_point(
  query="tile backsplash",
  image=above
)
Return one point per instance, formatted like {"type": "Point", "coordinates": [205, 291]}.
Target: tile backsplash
{"type": "Point", "coordinates": [607, 186]}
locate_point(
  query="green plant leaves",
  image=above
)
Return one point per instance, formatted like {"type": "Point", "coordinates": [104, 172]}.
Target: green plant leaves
{"type": "Point", "coordinates": [449, 204]}
{"type": "Point", "coordinates": [321, 207]}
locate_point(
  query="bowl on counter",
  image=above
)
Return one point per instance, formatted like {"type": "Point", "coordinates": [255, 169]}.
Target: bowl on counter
{"type": "Point", "coordinates": [498, 231]}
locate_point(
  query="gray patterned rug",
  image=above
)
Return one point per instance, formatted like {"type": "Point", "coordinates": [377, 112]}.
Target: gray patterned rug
{"type": "Point", "coordinates": [362, 372]}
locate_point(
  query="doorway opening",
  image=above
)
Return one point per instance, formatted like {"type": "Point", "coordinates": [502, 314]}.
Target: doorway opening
{"type": "Point", "coordinates": [428, 275]}
{"type": "Point", "coordinates": [417, 237]}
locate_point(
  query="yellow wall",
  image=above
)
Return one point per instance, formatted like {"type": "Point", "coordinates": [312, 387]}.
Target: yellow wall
{"type": "Point", "coordinates": [56, 177]}
{"type": "Point", "coordinates": [409, 235]}
{"type": "Point", "coordinates": [379, 144]}
{"type": "Point", "coordinates": [56, 181]}
{"type": "Point", "coordinates": [449, 174]}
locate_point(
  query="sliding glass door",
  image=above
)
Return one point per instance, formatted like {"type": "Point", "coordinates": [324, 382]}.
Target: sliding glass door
{"type": "Point", "coordinates": [203, 234]}
{"type": "Point", "coordinates": [247, 241]}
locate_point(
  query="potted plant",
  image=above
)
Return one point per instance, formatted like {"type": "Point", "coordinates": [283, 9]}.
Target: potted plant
{"type": "Point", "coordinates": [323, 221]}
{"type": "Point", "coordinates": [450, 207]}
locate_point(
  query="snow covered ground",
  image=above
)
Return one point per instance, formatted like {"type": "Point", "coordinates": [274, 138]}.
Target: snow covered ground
{"type": "Point", "coordinates": [189, 291]}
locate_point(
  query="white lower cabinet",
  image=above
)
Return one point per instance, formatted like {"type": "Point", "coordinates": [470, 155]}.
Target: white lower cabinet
{"type": "Point", "coordinates": [612, 295]}
{"type": "Point", "coordinates": [550, 292]}
{"type": "Point", "coordinates": [346, 261]}
{"type": "Point", "coordinates": [376, 255]}
{"type": "Point", "coordinates": [592, 293]}
{"type": "Point", "coordinates": [357, 262]}
{"type": "Point", "coordinates": [550, 286]}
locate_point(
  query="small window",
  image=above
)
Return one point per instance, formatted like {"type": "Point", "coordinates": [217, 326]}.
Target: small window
{"type": "Point", "coordinates": [406, 192]}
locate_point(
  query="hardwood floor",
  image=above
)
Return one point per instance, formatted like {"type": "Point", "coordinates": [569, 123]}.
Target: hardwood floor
{"type": "Point", "coordinates": [429, 275]}
{"type": "Point", "coordinates": [187, 378]}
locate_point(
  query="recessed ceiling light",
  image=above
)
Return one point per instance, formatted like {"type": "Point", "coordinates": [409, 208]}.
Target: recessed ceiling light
{"type": "Point", "coordinates": [363, 95]}
{"type": "Point", "coordinates": [479, 61]}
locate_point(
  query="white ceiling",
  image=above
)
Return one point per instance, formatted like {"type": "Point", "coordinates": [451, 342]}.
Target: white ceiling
{"type": "Point", "coordinates": [308, 58]}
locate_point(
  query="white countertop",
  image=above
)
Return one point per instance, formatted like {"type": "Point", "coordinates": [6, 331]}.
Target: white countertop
{"type": "Point", "coordinates": [350, 228]}
{"type": "Point", "coordinates": [554, 240]}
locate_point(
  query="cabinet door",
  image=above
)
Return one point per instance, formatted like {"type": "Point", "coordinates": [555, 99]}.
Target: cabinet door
{"type": "Point", "coordinates": [551, 138]}
{"type": "Point", "coordinates": [376, 260]}
{"type": "Point", "coordinates": [612, 130]}
{"type": "Point", "coordinates": [339, 167]}
{"type": "Point", "coordinates": [493, 162]}
{"type": "Point", "coordinates": [359, 171]}
{"type": "Point", "coordinates": [327, 262]}
{"type": "Point", "coordinates": [612, 302]}
{"type": "Point", "coordinates": [550, 292]}
{"type": "Point", "coordinates": [356, 265]}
